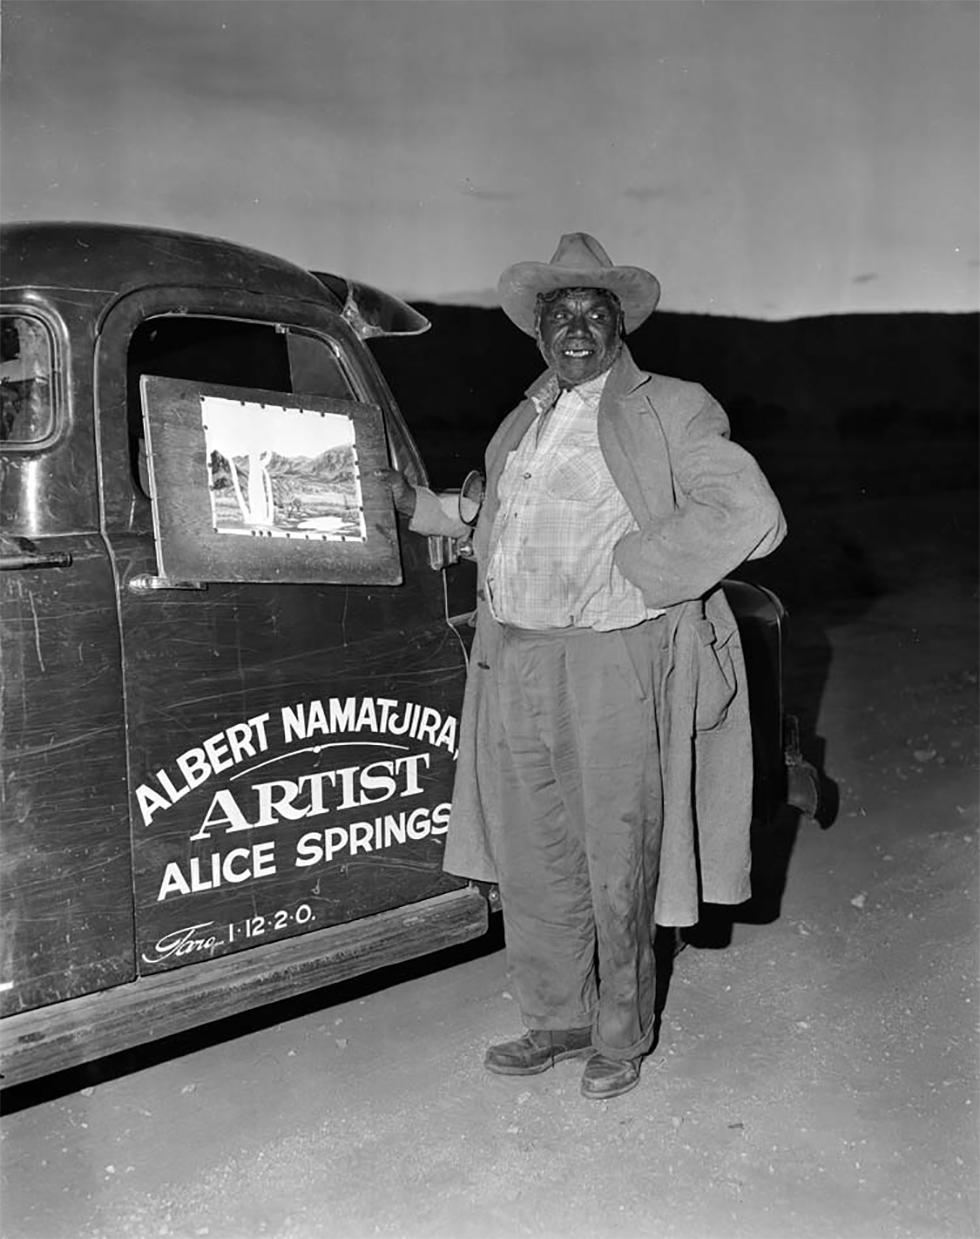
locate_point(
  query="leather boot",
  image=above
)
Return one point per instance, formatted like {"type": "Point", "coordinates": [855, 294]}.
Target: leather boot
{"type": "Point", "coordinates": [537, 1050]}
{"type": "Point", "coordinates": [609, 1077]}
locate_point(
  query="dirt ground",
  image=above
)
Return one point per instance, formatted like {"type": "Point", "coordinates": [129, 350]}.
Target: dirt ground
{"type": "Point", "coordinates": [816, 1073]}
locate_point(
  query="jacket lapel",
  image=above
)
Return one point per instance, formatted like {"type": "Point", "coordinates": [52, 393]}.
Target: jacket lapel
{"type": "Point", "coordinates": [628, 426]}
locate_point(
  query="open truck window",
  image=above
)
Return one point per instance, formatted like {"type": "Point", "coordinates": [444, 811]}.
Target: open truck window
{"type": "Point", "coordinates": [233, 353]}
{"type": "Point", "coordinates": [259, 456]}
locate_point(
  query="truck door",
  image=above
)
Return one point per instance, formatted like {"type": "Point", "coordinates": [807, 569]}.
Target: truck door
{"type": "Point", "coordinates": [66, 926]}
{"type": "Point", "coordinates": [292, 685]}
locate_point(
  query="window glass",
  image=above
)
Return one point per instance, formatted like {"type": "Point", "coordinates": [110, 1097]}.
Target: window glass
{"type": "Point", "coordinates": [26, 368]}
{"type": "Point", "coordinates": [314, 368]}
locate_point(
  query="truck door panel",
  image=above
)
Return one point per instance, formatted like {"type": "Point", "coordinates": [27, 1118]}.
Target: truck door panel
{"type": "Point", "coordinates": [67, 910]}
{"type": "Point", "coordinates": [291, 746]}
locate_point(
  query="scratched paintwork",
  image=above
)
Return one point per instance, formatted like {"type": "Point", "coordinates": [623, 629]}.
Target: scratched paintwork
{"type": "Point", "coordinates": [291, 644]}
{"type": "Point", "coordinates": [67, 908]}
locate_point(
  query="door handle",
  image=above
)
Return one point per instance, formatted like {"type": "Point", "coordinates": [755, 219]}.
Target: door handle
{"type": "Point", "coordinates": [146, 584]}
{"type": "Point", "coordinates": [20, 553]}
{"type": "Point", "coordinates": [9, 563]}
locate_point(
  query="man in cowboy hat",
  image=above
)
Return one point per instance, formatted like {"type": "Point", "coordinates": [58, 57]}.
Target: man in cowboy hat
{"type": "Point", "coordinates": [604, 774]}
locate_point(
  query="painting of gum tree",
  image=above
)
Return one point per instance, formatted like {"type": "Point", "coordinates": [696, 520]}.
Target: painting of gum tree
{"type": "Point", "coordinates": [279, 472]}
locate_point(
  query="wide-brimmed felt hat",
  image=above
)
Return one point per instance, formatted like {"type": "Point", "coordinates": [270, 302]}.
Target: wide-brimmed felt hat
{"type": "Point", "coordinates": [578, 262]}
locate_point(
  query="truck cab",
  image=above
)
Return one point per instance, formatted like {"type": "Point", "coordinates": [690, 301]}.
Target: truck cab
{"type": "Point", "coordinates": [230, 688]}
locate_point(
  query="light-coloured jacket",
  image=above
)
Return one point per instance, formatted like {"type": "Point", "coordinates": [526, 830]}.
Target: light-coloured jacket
{"type": "Point", "coordinates": [702, 507]}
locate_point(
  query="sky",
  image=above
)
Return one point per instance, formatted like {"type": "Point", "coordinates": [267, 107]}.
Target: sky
{"type": "Point", "coordinates": [764, 158]}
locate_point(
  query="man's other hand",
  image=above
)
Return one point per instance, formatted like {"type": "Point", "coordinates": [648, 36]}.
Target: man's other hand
{"type": "Point", "coordinates": [402, 491]}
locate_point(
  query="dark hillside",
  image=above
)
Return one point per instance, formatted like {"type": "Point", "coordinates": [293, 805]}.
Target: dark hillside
{"type": "Point", "coordinates": [849, 380]}
{"type": "Point", "coordinates": [841, 411]}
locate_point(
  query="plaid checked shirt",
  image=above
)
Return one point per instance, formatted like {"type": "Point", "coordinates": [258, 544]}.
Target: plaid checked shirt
{"type": "Point", "coordinates": [560, 516]}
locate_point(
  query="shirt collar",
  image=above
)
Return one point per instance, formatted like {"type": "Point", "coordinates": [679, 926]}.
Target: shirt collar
{"type": "Point", "coordinates": [593, 387]}
{"type": "Point", "coordinates": [547, 394]}
{"type": "Point", "coordinates": [624, 375]}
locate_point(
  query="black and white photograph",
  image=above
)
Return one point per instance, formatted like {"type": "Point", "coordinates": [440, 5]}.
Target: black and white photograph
{"type": "Point", "coordinates": [489, 681]}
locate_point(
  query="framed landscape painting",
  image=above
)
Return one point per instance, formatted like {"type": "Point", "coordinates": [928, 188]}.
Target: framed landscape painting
{"type": "Point", "coordinates": [267, 486]}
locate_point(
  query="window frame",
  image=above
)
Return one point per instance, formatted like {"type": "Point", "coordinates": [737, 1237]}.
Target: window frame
{"type": "Point", "coordinates": [56, 334]}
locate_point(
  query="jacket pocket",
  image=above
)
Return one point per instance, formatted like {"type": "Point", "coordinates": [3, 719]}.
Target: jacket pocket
{"type": "Point", "coordinates": [716, 679]}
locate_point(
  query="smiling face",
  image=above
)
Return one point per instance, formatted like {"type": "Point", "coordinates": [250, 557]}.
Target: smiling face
{"type": "Point", "coordinates": [579, 332]}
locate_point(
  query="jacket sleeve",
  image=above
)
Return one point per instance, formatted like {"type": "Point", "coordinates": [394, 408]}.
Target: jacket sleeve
{"type": "Point", "coordinates": [724, 513]}
{"type": "Point", "coordinates": [437, 514]}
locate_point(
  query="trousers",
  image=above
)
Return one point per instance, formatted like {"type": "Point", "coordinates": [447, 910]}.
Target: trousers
{"type": "Point", "coordinates": [581, 799]}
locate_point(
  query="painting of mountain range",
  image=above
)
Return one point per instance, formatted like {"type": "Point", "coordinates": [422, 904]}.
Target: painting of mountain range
{"type": "Point", "coordinates": [266, 478]}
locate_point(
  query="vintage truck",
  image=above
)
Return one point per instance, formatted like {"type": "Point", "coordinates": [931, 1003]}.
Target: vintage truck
{"type": "Point", "coordinates": [231, 680]}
